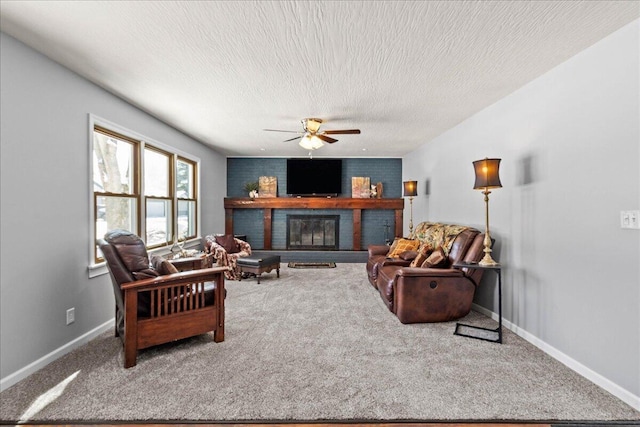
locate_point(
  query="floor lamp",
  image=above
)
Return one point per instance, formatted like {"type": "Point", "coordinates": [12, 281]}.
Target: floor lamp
{"type": "Point", "coordinates": [487, 178]}
{"type": "Point", "coordinates": [410, 190]}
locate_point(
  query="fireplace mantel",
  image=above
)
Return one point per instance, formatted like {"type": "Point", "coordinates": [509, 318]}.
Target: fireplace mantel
{"type": "Point", "coordinates": [270, 203]}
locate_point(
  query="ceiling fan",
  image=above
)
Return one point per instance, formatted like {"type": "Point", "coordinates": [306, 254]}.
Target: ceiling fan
{"type": "Point", "coordinates": [311, 137]}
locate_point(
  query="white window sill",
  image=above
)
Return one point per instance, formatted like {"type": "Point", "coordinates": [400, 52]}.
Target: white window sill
{"type": "Point", "coordinates": [96, 270]}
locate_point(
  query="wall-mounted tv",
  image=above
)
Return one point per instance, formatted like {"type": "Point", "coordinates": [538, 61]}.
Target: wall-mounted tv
{"type": "Point", "coordinates": [314, 177]}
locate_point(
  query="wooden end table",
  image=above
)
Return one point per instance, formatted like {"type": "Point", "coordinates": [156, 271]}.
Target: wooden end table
{"type": "Point", "coordinates": [190, 263]}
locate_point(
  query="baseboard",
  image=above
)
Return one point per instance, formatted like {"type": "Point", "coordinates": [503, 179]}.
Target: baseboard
{"type": "Point", "coordinates": [23, 373]}
{"type": "Point", "coordinates": [613, 388]}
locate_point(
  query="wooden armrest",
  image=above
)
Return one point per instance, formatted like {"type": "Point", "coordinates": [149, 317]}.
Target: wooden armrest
{"type": "Point", "coordinates": [193, 276]}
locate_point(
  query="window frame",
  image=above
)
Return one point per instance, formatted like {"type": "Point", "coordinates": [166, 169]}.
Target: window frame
{"type": "Point", "coordinates": [134, 193]}
{"type": "Point", "coordinates": [170, 197]}
{"type": "Point", "coordinates": [97, 266]}
{"type": "Point", "coordinates": [196, 191]}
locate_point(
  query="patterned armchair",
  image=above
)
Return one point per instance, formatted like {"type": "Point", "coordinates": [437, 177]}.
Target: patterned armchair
{"type": "Point", "coordinates": [226, 250]}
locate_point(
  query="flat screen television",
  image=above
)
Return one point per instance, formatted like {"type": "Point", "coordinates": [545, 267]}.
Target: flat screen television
{"type": "Point", "coordinates": [314, 177]}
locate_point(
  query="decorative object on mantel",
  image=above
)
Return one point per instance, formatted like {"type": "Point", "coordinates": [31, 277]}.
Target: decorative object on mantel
{"type": "Point", "coordinates": [379, 190]}
{"type": "Point", "coordinates": [410, 190]}
{"type": "Point", "coordinates": [487, 177]}
{"type": "Point", "coordinates": [360, 187]}
{"type": "Point", "coordinates": [268, 186]}
{"type": "Point", "coordinates": [252, 188]}
{"type": "Point", "coordinates": [374, 192]}
{"type": "Point", "coordinates": [357, 206]}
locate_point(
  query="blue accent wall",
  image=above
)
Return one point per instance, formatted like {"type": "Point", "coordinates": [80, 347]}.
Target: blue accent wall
{"type": "Point", "coordinates": [250, 221]}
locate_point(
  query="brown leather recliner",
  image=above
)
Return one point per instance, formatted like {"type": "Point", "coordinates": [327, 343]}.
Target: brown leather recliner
{"type": "Point", "coordinates": [153, 309]}
{"type": "Point", "coordinates": [421, 294]}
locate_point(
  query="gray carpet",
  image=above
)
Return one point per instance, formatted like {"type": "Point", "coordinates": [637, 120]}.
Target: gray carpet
{"type": "Point", "coordinates": [315, 345]}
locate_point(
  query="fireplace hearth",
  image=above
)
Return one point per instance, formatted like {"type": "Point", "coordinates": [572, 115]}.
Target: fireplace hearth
{"type": "Point", "coordinates": [313, 232]}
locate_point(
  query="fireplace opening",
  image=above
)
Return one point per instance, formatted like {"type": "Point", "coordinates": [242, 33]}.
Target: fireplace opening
{"type": "Point", "coordinates": [313, 232]}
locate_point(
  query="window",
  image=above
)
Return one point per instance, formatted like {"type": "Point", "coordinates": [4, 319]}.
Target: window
{"type": "Point", "coordinates": [186, 195]}
{"type": "Point", "coordinates": [115, 188]}
{"type": "Point", "coordinates": [158, 197]}
{"type": "Point", "coordinates": [142, 186]}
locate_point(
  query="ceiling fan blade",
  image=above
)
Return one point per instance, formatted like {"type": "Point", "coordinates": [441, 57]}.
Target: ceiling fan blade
{"type": "Point", "coordinates": [292, 139]}
{"type": "Point", "coordinates": [278, 130]}
{"type": "Point", "coordinates": [326, 138]}
{"type": "Point", "coordinates": [343, 132]}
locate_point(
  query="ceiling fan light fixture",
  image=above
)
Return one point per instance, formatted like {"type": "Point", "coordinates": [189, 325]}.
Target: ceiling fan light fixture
{"type": "Point", "coordinates": [311, 125]}
{"type": "Point", "coordinates": [310, 142]}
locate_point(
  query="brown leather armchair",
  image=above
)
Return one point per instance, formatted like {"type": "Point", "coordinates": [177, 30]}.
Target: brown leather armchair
{"type": "Point", "coordinates": [425, 294]}
{"type": "Point", "coordinates": [153, 309]}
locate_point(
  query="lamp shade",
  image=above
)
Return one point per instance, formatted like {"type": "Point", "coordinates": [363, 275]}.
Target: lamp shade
{"type": "Point", "coordinates": [410, 188]}
{"type": "Point", "coordinates": [487, 174]}
{"type": "Point", "coordinates": [310, 142]}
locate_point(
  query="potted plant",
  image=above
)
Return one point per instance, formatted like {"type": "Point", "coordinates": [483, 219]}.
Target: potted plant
{"type": "Point", "coordinates": [252, 189]}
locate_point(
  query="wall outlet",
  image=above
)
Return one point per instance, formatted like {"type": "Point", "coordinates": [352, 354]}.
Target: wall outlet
{"type": "Point", "coordinates": [630, 219]}
{"type": "Point", "coordinates": [71, 315]}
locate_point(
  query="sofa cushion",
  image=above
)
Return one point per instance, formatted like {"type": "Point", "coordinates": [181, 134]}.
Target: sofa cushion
{"type": "Point", "coordinates": [436, 259]}
{"type": "Point", "coordinates": [461, 245]}
{"type": "Point", "coordinates": [408, 255]}
{"type": "Point", "coordinates": [403, 245]}
{"type": "Point", "coordinates": [228, 242]}
{"type": "Point", "coordinates": [423, 253]}
{"type": "Point", "coordinates": [130, 249]}
{"type": "Point", "coordinates": [392, 248]}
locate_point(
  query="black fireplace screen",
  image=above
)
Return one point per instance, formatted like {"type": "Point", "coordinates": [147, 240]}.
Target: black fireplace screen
{"type": "Point", "coordinates": [313, 232]}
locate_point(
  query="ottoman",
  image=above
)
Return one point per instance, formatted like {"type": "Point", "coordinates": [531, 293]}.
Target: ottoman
{"type": "Point", "coordinates": [258, 265]}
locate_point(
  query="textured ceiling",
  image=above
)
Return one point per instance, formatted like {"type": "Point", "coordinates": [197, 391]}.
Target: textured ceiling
{"type": "Point", "coordinates": [402, 72]}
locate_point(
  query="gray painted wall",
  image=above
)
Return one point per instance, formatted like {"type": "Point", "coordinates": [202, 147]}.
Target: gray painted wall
{"type": "Point", "coordinates": [45, 201]}
{"type": "Point", "coordinates": [570, 148]}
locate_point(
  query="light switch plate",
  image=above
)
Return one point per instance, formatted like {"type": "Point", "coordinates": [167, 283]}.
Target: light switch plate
{"type": "Point", "coordinates": [630, 219]}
